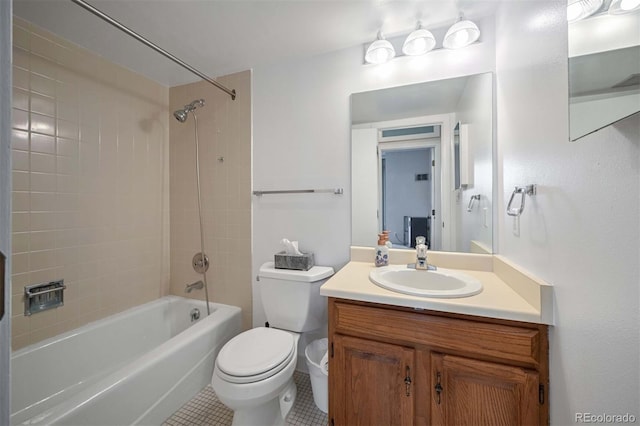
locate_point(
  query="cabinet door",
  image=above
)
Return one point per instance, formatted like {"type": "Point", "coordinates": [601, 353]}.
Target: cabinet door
{"type": "Point", "coordinates": [470, 392]}
{"type": "Point", "coordinates": [371, 383]}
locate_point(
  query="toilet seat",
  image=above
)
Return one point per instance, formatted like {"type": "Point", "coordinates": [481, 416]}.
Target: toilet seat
{"type": "Point", "coordinates": [255, 355]}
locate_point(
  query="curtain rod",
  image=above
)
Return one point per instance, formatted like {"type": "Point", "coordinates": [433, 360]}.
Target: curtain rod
{"type": "Point", "coordinates": [161, 51]}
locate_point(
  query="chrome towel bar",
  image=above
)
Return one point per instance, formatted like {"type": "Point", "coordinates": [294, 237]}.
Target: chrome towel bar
{"type": "Point", "coordinates": [336, 191]}
{"type": "Point", "coordinates": [523, 191]}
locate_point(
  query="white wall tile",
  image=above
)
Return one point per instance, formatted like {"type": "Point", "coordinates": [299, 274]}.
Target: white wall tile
{"type": "Point", "coordinates": [19, 140]}
{"type": "Point", "coordinates": [43, 85]}
{"type": "Point", "coordinates": [20, 201]}
{"type": "Point", "coordinates": [20, 160]}
{"type": "Point", "coordinates": [216, 120]}
{"type": "Point", "coordinates": [43, 124]}
{"type": "Point", "coordinates": [43, 143]}
{"type": "Point", "coordinates": [20, 181]}
{"type": "Point", "coordinates": [20, 78]}
{"type": "Point", "coordinates": [20, 98]}
{"type": "Point", "coordinates": [64, 183]}
{"type": "Point", "coordinates": [43, 105]}
{"type": "Point", "coordinates": [43, 182]}
{"type": "Point", "coordinates": [43, 163]}
{"type": "Point", "coordinates": [19, 119]}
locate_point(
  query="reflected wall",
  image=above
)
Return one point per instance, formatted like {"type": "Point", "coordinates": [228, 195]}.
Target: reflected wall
{"type": "Point", "coordinates": [604, 71]}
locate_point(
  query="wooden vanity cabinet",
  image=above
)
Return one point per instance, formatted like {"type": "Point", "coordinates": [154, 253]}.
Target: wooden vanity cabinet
{"type": "Point", "coordinates": [391, 365]}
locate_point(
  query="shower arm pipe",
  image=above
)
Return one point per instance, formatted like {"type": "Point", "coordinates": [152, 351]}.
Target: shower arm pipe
{"type": "Point", "coordinates": [160, 50]}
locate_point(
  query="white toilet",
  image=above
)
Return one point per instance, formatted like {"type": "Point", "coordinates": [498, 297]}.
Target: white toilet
{"type": "Point", "coordinates": [253, 373]}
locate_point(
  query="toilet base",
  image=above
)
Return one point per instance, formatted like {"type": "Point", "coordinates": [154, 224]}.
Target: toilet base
{"type": "Point", "coordinates": [271, 413]}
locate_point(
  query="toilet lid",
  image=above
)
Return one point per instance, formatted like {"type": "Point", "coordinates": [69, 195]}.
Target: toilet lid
{"type": "Point", "coordinates": [255, 355]}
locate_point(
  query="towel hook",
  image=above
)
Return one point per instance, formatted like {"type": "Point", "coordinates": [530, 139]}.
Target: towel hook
{"type": "Point", "coordinates": [522, 190]}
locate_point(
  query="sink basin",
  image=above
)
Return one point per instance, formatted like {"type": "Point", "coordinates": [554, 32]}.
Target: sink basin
{"type": "Point", "coordinates": [445, 283]}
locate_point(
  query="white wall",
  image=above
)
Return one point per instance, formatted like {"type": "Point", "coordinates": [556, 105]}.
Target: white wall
{"type": "Point", "coordinates": [301, 138]}
{"type": "Point", "coordinates": [5, 204]}
{"type": "Point", "coordinates": [581, 232]}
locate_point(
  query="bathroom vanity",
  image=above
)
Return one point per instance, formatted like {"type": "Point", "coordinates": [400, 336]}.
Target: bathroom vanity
{"type": "Point", "coordinates": [398, 359]}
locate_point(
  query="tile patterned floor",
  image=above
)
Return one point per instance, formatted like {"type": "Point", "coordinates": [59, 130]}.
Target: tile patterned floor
{"type": "Point", "coordinates": [205, 409]}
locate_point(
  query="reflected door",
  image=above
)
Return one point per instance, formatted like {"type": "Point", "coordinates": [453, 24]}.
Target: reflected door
{"type": "Point", "coordinates": [408, 192]}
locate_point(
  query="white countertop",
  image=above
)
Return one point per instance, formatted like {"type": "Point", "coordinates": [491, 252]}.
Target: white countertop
{"type": "Point", "coordinates": [498, 299]}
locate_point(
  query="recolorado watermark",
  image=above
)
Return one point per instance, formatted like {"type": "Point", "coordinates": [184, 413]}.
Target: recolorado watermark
{"type": "Point", "coordinates": [605, 418]}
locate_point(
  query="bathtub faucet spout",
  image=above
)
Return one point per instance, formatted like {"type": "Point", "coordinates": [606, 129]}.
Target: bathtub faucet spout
{"type": "Point", "coordinates": [198, 285]}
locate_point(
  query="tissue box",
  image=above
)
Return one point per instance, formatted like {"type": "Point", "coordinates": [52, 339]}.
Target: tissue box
{"type": "Point", "coordinates": [302, 262]}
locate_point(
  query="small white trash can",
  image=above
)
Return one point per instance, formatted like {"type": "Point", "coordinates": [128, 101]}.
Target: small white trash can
{"type": "Point", "coordinates": [314, 352]}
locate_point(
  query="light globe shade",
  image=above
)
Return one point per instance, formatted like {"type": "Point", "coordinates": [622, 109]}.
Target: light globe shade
{"type": "Point", "coordinates": [461, 34]}
{"type": "Point", "coordinates": [619, 7]}
{"type": "Point", "coordinates": [580, 9]}
{"type": "Point", "coordinates": [419, 42]}
{"type": "Point", "coordinates": [379, 52]}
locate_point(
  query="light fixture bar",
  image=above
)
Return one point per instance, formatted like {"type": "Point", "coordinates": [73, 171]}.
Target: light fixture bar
{"type": "Point", "coordinates": [421, 41]}
{"type": "Point", "coordinates": [153, 46]}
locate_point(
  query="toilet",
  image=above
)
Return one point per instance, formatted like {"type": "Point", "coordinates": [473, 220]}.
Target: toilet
{"type": "Point", "coordinates": [253, 373]}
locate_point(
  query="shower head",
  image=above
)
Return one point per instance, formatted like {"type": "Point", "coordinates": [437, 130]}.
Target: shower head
{"type": "Point", "coordinates": [181, 114]}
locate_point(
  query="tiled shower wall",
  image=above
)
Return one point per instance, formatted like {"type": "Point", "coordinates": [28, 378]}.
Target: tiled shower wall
{"type": "Point", "coordinates": [224, 130]}
{"type": "Point", "coordinates": [90, 183]}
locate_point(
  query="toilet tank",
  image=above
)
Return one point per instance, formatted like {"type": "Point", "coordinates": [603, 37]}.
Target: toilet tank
{"type": "Point", "coordinates": [291, 299]}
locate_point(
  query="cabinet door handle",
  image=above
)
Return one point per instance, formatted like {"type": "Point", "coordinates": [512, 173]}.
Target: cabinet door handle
{"type": "Point", "coordinates": [407, 381]}
{"type": "Point", "coordinates": [438, 388]}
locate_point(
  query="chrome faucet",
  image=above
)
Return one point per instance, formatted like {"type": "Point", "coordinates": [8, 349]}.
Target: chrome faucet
{"type": "Point", "coordinates": [198, 285]}
{"type": "Point", "coordinates": [421, 253]}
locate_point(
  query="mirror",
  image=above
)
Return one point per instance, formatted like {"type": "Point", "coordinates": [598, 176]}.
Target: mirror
{"type": "Point", "coordinates": [604, 71]}
{"type": "Point", "coordinates": [422, 164]}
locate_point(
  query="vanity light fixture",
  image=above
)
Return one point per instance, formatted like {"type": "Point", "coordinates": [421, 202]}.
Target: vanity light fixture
{"type": "Point", "coordinates": [620, 7]}
{"type": "Point", "coordinates": [419, 42]}
{"type": "Point", "coordinates": [461, 34]}
{"type": "Point", "coordinates": [580, 9]}
{"type": "Point", "coordinates": [380, 51]}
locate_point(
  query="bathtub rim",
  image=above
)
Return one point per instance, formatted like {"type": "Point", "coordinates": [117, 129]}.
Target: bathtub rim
{"type": "Point", "coordinates": [110, 318]}
{"type": "Point", "coordinates": [221, 313]}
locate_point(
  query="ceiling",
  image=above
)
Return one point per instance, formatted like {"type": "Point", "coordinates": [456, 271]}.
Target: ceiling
{"type": "Point", "coordinates": [221, 37]}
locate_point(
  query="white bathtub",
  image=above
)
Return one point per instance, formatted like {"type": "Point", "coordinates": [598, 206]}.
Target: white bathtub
{"type": "Point", "coordinates": [136, 367]}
